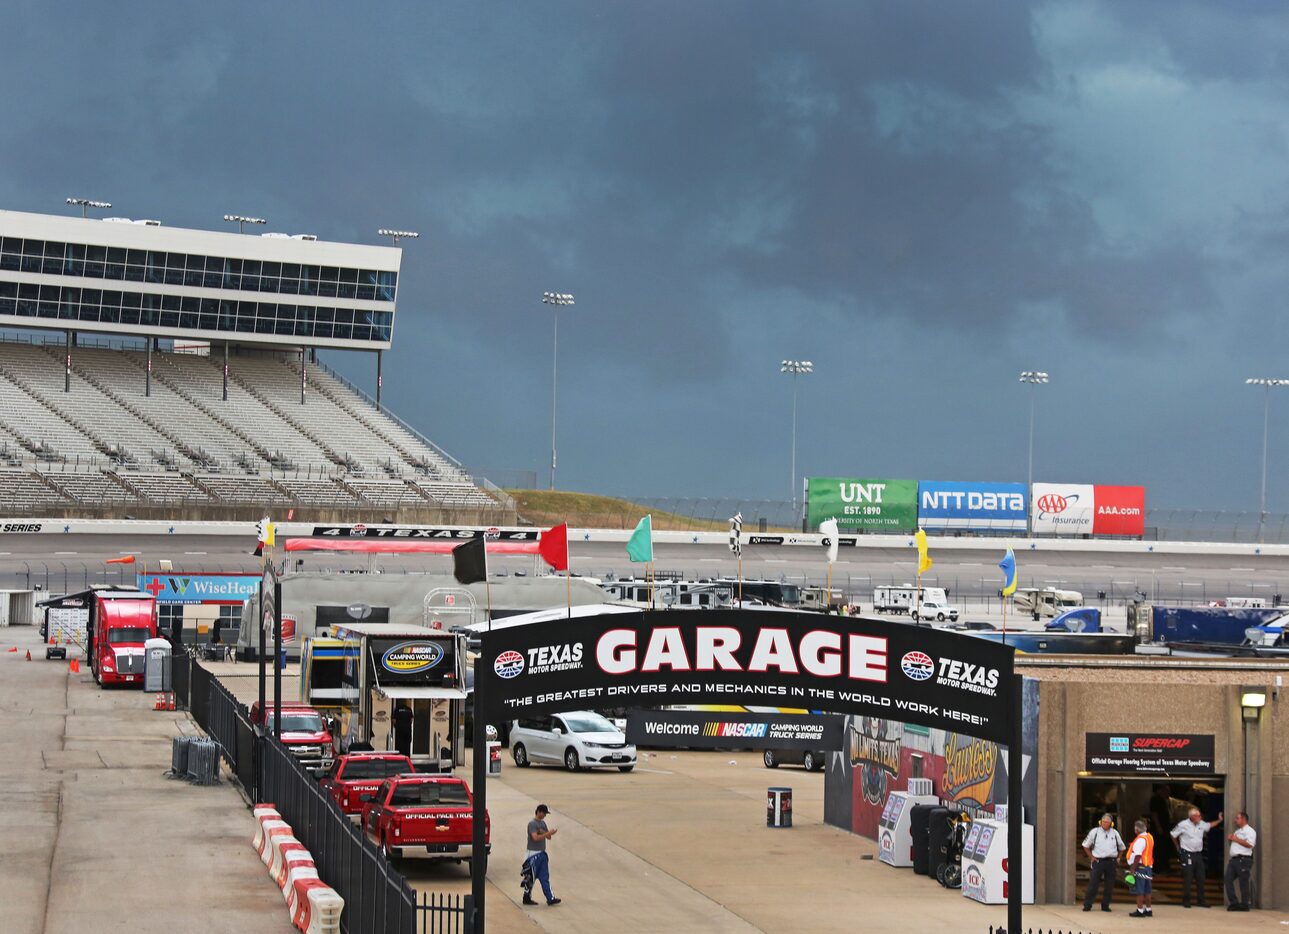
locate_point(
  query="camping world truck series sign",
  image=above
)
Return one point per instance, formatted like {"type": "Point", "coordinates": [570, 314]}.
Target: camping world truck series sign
{"type": "Point", "coordinates": [759, 658]}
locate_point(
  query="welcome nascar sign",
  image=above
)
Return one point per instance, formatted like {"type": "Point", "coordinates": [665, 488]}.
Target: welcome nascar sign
{"type": "Point", "coordinates": [1087, 509]}
{"type": "Point", "coordinates": [747, 657]}
{"type": "Point", "coordinates": [720, 730]}
{"type": "Point", "coordinates": [949, 505]}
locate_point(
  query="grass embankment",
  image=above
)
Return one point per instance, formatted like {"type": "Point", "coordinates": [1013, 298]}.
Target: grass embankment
{"type": "Point", "coordinates": [589, 511]}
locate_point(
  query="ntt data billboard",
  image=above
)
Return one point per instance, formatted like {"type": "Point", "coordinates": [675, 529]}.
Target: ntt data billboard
{"type": "Point", "coordinates": [1088, 509]}
{"type": "Point", "coordinates": [952, 505]}
{"type": "Point", "coordinates": [863, 504]}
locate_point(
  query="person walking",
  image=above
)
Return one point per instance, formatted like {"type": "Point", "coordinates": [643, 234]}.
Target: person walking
{"type": "Point", "coordinates": [538, 861]}
{"type": "Point", "coordinates": [1103, 846]}
{"type": "Point", "coordinates": [403, 728]}
{"type": "Point", "coordinates": [1240, 866]}
{"type": "Point", "coordinates": [1141, 863]}
{"type": "Point", "coordinates": [1189, 835]}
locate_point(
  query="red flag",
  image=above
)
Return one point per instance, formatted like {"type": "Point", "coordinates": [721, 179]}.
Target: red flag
{"type": "Point", "coordinates": [553, 547]}
{"type": "Point", "coordinates": [124, 559]}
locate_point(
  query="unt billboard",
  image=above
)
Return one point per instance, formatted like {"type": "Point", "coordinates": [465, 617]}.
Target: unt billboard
{"type": "Point", "coordinates": [949, 505]}
{"type": "Point", "coordinates": [863, 504]}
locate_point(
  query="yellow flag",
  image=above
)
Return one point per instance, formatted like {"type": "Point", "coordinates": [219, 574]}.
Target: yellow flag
{"type": "Point", "coordinates": [924, 559]}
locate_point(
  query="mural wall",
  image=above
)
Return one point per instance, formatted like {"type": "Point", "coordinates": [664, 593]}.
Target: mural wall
{"type": "Point", "coordinates": [880, 756]}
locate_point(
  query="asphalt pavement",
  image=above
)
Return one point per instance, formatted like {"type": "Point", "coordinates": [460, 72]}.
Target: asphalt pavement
{"type": "Point", "coordinates": [59, 563]}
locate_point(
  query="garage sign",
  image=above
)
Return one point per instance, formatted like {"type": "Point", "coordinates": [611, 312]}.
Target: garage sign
{"type": "Point", "coordinates": [752, 658]}
{"type": "Point", "coordinates": [1150, 753]}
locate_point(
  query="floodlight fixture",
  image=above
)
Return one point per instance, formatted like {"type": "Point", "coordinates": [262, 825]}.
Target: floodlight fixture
{"type": "Point", "coordinates": [396, 235]}
{"type": "Point", "coordinates": [241, 221]}
{"type": "Point", "coordinates": [86, 203]}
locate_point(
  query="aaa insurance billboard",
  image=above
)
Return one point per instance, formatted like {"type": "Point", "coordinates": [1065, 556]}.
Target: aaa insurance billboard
{"type": "Point", "coordinates": [863, 505]}
{"type": "Point", "coordinates": [1089, 509]}
{"type": "Point", "coordinates": [948, 505]}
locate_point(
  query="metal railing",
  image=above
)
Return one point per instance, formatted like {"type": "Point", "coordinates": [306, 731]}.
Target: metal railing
{"type": "Point", "coordinates": [441, 913]}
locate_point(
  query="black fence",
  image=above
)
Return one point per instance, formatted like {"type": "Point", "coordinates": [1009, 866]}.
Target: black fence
{"type": "Point", "coordinates": [377, 897]}
{"type": "Point", "coordinates": [440, 913]}
{"type": "Point", "coordinates": [1003, 930]}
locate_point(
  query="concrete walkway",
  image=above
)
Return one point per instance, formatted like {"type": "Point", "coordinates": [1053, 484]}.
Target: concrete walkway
{"type": "Point", "coordinates": [92, 836]}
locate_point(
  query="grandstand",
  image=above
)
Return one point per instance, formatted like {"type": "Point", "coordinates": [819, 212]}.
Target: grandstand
{"type": "Point", "coordinates": [121, 423]}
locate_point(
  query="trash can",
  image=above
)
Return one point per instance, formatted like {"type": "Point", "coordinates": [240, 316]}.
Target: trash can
{"type": "Point", "coordinates": [156, 665]}
{"type": "Point", "coordinates": [778, 812]}
{"type": "Point", "coordinates": [494, 759]}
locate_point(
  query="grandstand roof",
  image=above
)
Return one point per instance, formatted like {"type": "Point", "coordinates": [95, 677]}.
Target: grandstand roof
{"type": "Point", "coordinates": [138, 278]}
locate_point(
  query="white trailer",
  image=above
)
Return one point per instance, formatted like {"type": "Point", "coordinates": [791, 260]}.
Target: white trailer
{"type": "Point", "coordinates": [904, 598]}
{"type": "Point", "coordinates": [1045, 602]}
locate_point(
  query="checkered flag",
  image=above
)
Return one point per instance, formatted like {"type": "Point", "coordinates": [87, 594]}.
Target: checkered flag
{"type": "Point", "coordinates": [736, 535]}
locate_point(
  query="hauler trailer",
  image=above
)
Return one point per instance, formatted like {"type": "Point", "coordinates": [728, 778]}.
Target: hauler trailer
{"type": "Point", "coordinates": [395, 665]}
{"type": "Point", "coordinates": [120, 621]}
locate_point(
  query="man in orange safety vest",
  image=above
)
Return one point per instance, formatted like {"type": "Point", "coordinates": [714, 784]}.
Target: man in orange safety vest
{"type": "Point", "coordinates": [1141, 865]}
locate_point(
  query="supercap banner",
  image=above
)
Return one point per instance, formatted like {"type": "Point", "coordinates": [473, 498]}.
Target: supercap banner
{"type": "Point", "coordinates": [949, 505]}
{"type": "Point", "coordinates": [748, 657]}
{"type": "Point", "coordinates": [862, 504]}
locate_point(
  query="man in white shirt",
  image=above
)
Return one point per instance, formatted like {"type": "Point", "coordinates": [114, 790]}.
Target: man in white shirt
{"type": "Point", "coordinates": [1189, 836]}
{"type": "Point", "coordinates": [1240, 865]}
{"type": "Point", "coordinates": [1103, 846]}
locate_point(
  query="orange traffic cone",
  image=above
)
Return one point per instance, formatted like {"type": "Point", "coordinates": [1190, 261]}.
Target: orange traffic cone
{"type": "Point", "coordinates": [14, 649]}
{"type": "Point", "coordinates": [172, 700]}
{"type": "Point", "coordinates": [29, 655]}
{"type": "Point", "coordinates": [156, 704]}
{"type": "Point", "coordinates": [75, 666]}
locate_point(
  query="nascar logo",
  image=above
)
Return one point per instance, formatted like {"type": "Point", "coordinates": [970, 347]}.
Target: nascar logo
{"type": "Point", "coordinates": [411, 657]}
{"type": "Point", "coordinates": [917, 666]}
{"type": "Point", "coordinates": [509, 664]}
{"type": "Point", "coordinates": [722, 728]}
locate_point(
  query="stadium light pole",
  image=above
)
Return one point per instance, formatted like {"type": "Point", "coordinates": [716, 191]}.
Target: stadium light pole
{"type": "Point", "coordinates": [242, 221]}
{"type": "Point", "coordinates": [86, 203]}
{"type": "Point", "coordinates": [556, 300]}
{"type": "Point", "coordinates": [394, 237]}
{"type": "Point", "coordinates": [1033, 378]}
{"type": "Point", "coordinates": [796, 368]}
{"type": "Point", "coordinates": [1267, 385]}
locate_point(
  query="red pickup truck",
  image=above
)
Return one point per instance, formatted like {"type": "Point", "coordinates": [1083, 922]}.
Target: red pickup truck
{"type": "Point", "coordinates": [426, 815]}
{"type": "Point", "coordinates": [304, 733]}
{"type": "Point", "coordinates": [355, 778]}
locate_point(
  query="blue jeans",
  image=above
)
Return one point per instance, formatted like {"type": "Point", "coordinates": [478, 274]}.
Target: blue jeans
{"type": "Point", "coordinates": [541, 865]}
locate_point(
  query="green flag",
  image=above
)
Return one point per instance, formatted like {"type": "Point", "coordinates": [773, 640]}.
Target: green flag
{"type": "Point", "coordinates": [640, 544]}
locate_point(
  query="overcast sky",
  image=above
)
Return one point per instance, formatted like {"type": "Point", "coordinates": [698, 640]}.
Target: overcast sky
{"type": "Point", "coordinates": [922, 198]}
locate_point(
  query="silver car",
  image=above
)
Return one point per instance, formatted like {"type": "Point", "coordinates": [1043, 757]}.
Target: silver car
{"type": "Point", "coordinates": [579, 739]}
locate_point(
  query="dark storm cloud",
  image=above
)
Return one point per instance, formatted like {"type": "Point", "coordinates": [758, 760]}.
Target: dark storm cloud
{"type": "Point", "coordinates": [924, 198]}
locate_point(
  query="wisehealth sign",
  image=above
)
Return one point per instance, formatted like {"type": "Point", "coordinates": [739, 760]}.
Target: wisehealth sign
{"type": "Point", "coordinates": [951, 505]}
{"type": "Point", "coordinates": [200, 588]}
{"type": "Point", "coordinates": [863, 505]}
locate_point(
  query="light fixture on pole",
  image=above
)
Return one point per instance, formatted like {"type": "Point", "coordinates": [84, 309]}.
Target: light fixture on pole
{"type": "Point", "coordinates": [396, 235]}
{"type": "Point", "coordinates": [86, 203]}
{"type": "Point", "coordinates": [1267, 385]}
{"type": "Point", "coordinates": [796, 368]}
{"type": "Point", "coordinates": [241, 221]}
{"type": "Point", "coordinates": [1033, 378]}
{"type": "Point", "coordinates": [556, 300]}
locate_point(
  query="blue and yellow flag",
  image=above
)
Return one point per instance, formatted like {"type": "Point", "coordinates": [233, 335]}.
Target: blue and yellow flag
{"type": "Point", "coordinates": [1008, 564]}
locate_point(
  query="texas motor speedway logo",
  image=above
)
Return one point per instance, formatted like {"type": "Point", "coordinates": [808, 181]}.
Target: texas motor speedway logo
{"type": "Point", "coordinates": [951, 673]}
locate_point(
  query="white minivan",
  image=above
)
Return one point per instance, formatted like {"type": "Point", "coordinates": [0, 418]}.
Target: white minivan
{"type": "Point", "coordinates": [579, 739]}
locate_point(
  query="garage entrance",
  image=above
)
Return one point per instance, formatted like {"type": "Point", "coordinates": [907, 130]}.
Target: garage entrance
{"type": "Point", "coordinates": [1161, 803]}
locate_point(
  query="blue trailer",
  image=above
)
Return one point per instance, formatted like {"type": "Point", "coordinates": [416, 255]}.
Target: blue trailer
{"type": "Point", "coordinates": [1210, 625]}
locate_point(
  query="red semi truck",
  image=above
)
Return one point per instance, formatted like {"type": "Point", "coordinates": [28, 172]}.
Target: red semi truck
{"type": "Point", "coordinates": [120, 622]}
{"type": "Point", "coordinates": [423, 815]}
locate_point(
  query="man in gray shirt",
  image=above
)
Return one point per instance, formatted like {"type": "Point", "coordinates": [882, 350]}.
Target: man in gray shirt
{"type": "Point", "coordinates": [1189, 835]}
{"type": "Point", "coordinates": [538, 861]}
{"type": "Point", "coordinates": [1103, 846]}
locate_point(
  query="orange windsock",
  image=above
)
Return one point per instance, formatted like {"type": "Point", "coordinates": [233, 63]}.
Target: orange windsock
{"type": "Point", "coordinates": [124, 559]}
